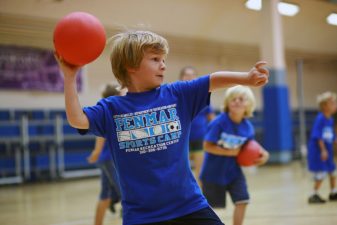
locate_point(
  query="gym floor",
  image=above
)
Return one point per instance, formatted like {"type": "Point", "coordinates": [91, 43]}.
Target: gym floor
{"type": "Point", "coordinates": [278, 196]}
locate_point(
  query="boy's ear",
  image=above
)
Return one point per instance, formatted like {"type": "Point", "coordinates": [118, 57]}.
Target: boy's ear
{"type": "Point", "coordinates": [130, 69]}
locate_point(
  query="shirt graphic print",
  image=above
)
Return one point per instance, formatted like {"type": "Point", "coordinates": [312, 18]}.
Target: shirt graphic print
{"type": "Point", "coordinates": [148, 131]}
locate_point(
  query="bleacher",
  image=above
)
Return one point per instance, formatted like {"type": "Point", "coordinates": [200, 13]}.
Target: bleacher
{"type": "Point", "coordinates": [40, 144]}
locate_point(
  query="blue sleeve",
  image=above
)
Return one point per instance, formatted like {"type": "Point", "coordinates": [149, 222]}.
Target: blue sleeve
{"type": "Point", "coordinates": [317, 129]}
{"type": "Point", "coordinates": [194, 94]}
{"type": "Point", "coordinates": [251, 131]}
{"type": "Point", "coordinates": [210, 110]}
{"type": "Point", "coordinates": [96, 117]}
{"type": "Point", "coordinates": [213, 131]}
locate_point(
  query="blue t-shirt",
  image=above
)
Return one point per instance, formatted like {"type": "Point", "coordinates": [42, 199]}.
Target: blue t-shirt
{"type": "Point", "coordinates": [148, 134]}
{"type": "Point", "coordinates": [322, 130]}
{"type": "Point", "coordinates": [224, 132]}
{"type": "Point", "coordinates": [199, 125]}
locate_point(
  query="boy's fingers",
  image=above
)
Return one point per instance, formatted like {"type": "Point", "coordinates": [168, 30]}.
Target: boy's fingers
{"type": "Point", "coordinates": [263, 70]}
{"type": "Point", "coordinates": [58, 58]}
{"type": "Point", "coordinates": [60, 61]}
{"type": "Point", "coordinates": [262, 81]}
{"type": "Point", "coordinates": [259, 64]}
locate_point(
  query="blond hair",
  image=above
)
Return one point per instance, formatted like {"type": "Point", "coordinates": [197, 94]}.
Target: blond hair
{"type": "Point", "coordinates": [128, 49]}
{"type": "Point", "coordinates": [240, 90]}
{"type": "Point", "coordinates": [324, 97]}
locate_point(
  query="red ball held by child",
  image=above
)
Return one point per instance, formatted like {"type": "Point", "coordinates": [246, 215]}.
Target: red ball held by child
{"type": "Point", "coordinates": [79, 38]}
{"type": "Point", "coordinates": [249, 153]}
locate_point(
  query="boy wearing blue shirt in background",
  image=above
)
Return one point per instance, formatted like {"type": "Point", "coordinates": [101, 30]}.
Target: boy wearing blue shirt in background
{"type": "Point", "coordinates": [110, 191]}
{"type": "Point", "coordinates": [148, 129]}
{"type": "Point", "coordinates": [198, 127]}
{"type": "Point", "coordinates": [226, 135]}
{"type": "Point", "coordinates": [320, 147]}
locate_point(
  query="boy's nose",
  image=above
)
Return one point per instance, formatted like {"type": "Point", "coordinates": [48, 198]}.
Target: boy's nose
{"type": "Point", "coordinates": [163, 66]}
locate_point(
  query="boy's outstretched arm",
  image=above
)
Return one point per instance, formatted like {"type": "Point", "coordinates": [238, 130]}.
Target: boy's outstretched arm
{"type": "Point", "coordinates": [75, 115]}
{"type": "Point", "coordinates": [257, 76]}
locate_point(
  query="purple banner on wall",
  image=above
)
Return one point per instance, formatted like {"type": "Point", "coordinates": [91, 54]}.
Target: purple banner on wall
{"type": "Point", "coordinates": [28, 68]}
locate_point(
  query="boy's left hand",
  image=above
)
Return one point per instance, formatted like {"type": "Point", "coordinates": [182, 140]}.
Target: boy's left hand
{"type": "Point", "coordinates": [93, 157]}
{"type": "Point", "coordinates": [258, 75]}
{"type": "Point", "coordinates": [263, 159]}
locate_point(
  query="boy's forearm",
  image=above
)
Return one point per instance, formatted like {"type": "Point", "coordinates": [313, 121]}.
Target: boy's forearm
{"type": "Point", "coordinates": [99, 144]}
{"type": "Point", "coordinates": [216, 150]}
{"type": "Point", "coordinates": [256, 77]}
{"type": "Point", "coordinates": [75, 115]}
{"type": "Point", "coordinates": [225, 79]}
{"type": "Point", "coordinates": [321, 145]}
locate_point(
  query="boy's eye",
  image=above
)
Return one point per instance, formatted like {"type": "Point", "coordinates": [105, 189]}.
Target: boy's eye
{"type": "Point", "coordinates": [240, 99]}
{"type": "Point", "coordinates": [158, 59]}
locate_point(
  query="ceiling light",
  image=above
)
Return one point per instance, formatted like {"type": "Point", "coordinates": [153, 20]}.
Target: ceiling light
{"type": "Point", "coordinates": [254, 4]}
{"type": "Point", "coordinates": [332, 19]}
{"type": "Point", "coordinates": [286, 9]}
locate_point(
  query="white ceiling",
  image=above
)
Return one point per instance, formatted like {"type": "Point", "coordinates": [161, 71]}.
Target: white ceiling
{"type": "Point", "coordinates": [226, 21]}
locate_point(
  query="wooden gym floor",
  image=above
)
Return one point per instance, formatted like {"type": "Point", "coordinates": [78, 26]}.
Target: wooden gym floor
{"type": "Point", "coordinates": [279, 197]}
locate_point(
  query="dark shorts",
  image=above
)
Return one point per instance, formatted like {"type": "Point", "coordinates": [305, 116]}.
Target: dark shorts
{"type": "Point", "coordinates": [204, 216]}
{"type": "Point", "coordinates": [109, 185]}
{"type": "Point", "coordinates": [196, 146]}
{"type": "Point", "coordinates": [216, 194]}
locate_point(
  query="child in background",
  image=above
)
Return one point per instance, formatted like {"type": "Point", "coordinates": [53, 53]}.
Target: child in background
{"type": "Point", "coordinates": [110, 192]}
{"type": "Point", "coordinates": [148, 129]}
{"type": "Point", "coordinates": [226, 134]}
{"type": "Point", "coordinates": [198, 127]}
{"type": "Point", "coordinates": [320, 148]}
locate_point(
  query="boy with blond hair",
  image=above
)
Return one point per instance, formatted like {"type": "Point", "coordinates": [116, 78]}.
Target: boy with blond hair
{"type": "Point", "coordinates": [147, 130]}
{"type": "Point", "coordinates": [320, 147]}
{"type": "Point", "coordinates": [226, 135]}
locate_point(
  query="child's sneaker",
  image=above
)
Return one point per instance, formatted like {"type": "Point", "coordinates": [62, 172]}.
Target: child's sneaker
{"type": "Point", "coordinates": [314, 199]}
{"type": "Point", "coordinates": [333, 196]}
{"type": "Point", "coordinates": [112, 205]}
{"type": "Point", "coordinates": [112, 208]}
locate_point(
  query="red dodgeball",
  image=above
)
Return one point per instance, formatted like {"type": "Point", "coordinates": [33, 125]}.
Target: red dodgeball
{"type": "Point", "coordinates": [79, 38]}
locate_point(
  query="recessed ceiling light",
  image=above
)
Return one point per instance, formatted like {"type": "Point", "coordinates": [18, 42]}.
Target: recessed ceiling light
{"type": "Point", "coordinates": [254, 4]}
{"type": "Point", "coordinates": [332, 19]}
{"type": "Point", "coordinates": [286, 9]}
